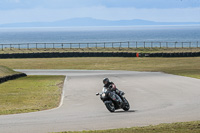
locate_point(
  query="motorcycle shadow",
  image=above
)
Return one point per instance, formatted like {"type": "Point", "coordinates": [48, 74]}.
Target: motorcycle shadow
{"type": "Point", "coordinates": [122, 111]}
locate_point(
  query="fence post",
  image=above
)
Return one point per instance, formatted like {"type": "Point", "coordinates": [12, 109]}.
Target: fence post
{"type": "Point", "coordinates": [160, 44]}
{"type": "Point", "coordinates": [182, 44]}
{"type": "Point", "coordinates": [197, 44]}
{"type": "Point", "coordinates": [28, 46]}
{"type": "Point", "coordinates": [19, 46]}
{"type": "Point", "coordinates": [151, 44]}
{"type": "Point", "coordinates": [104, 45]}
{"type": "Point", "coordinates": [62, 45]}
{"type": "Point", "coordinates": [2, 47]}
{"type": "Point", "coordinates": [166, 44]}
{"type": "Point", "coordinates": [96, 45]}
{"type": "Point", "coordinates": [128, 44]}
{"type": "Point", "coordinates": [112, 44]}
{"type": "Point", "coordinates": [36, 46]}
{"type": "Point", "coordinates": [175, 44]}
{"type": "Point", "coordinates": [136, 45]}
{"type": "Point", "coordinates": [45, 46]}
{"type": "Point", "coordinates": [190, 44]}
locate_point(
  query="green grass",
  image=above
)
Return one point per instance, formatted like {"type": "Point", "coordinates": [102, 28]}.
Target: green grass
{"type": "Point", "coordinates": [29, 94]}
{"type": "Point", "coordinates": [140, 50]}
{"type": "Point", "coordinates": [188, 66]}
{"type": "Point", "coordinates": [5, 71]}
{"type": "Point", "coordinates": [182, 127]}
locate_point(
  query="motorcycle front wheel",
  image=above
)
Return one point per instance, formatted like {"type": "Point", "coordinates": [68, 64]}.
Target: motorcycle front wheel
{"type": "Point", "coordinates": [110, 107]}
{"type": "Point", "coordinates": [126, 106]}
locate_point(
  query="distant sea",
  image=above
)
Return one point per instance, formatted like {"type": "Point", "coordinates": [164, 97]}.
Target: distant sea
{"type": "Point", "coordinates": [100, 34]}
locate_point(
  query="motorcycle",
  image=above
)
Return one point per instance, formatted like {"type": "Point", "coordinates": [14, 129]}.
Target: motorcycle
{"type": "Point", "coordinates": [112, 105]}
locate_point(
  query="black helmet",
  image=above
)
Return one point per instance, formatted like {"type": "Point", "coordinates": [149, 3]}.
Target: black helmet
{"type": "Point", "coordinates": [105, 80]}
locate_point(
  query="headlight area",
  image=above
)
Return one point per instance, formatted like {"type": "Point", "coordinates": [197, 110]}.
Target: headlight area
{"type": "Point", "coordinates": [103, 95]}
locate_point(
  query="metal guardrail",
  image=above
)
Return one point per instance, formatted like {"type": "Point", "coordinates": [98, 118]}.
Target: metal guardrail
{"type": "Point", "coordinates": [128, 44]}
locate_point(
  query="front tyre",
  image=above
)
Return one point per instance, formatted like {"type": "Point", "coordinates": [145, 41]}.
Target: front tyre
{"type": "Point", "coordinates": [110, 106]}
{"type": "Point", "coordinates": [126, 105]}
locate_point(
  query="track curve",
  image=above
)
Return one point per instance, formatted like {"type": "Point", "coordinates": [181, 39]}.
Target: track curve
{"type": "Point", "coordinates": [154, 98]}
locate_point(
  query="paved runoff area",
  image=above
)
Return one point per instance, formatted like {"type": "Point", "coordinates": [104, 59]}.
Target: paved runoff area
{"type": "Point", "coordinates": [154, 98]}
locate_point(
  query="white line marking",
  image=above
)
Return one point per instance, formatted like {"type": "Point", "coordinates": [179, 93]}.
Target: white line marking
{"type": "Point", "coordinates": [63, 93]}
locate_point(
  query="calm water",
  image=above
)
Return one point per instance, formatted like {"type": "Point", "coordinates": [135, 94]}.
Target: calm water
{"type": "Point", "coordinates": [100, 34]}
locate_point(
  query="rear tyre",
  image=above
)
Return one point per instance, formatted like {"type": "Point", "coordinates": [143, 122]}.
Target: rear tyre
{"type": "Point", "coordinates": [126, 105]}
{"type": "Point", "coordinates": [110, 106]}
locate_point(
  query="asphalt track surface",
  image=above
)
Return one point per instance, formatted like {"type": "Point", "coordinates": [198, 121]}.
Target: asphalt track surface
{"type": "Point", "coordinates": [154, 98]}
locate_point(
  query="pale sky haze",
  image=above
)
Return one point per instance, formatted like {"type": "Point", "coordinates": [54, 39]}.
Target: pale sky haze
{"type": "Point", "coordinates": [14, 11]}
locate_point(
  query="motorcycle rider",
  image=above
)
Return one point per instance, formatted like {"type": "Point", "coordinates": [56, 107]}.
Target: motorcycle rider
{"type": "Point", "coordinates": [111, 90]}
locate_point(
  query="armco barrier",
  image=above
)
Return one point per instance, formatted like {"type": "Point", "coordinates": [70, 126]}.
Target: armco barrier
{"type": "Point", "coordinates": [97, 54]}
{"type": "Point", "coordinates": [11, 77]}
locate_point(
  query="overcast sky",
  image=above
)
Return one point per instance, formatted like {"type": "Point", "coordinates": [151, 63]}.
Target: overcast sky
{"type": "Point", "coordinates": [12, 11]}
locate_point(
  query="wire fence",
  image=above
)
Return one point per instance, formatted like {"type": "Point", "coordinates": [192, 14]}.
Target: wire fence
{"type": "Point", "coordinates": [129, 44]}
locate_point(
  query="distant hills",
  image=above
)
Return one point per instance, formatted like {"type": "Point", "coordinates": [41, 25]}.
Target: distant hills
{"type": "Point", "coordinates": [94, 22]}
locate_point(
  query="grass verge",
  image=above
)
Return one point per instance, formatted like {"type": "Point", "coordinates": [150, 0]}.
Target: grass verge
{"type": "Point", "coordinates": [187, 66]}
{"type": "Point", "coordinates": [30, 94]}
{"type": "Point", "coordinates": [182, 127]}
{"type": "Point", "coordinates": [5, 71]}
